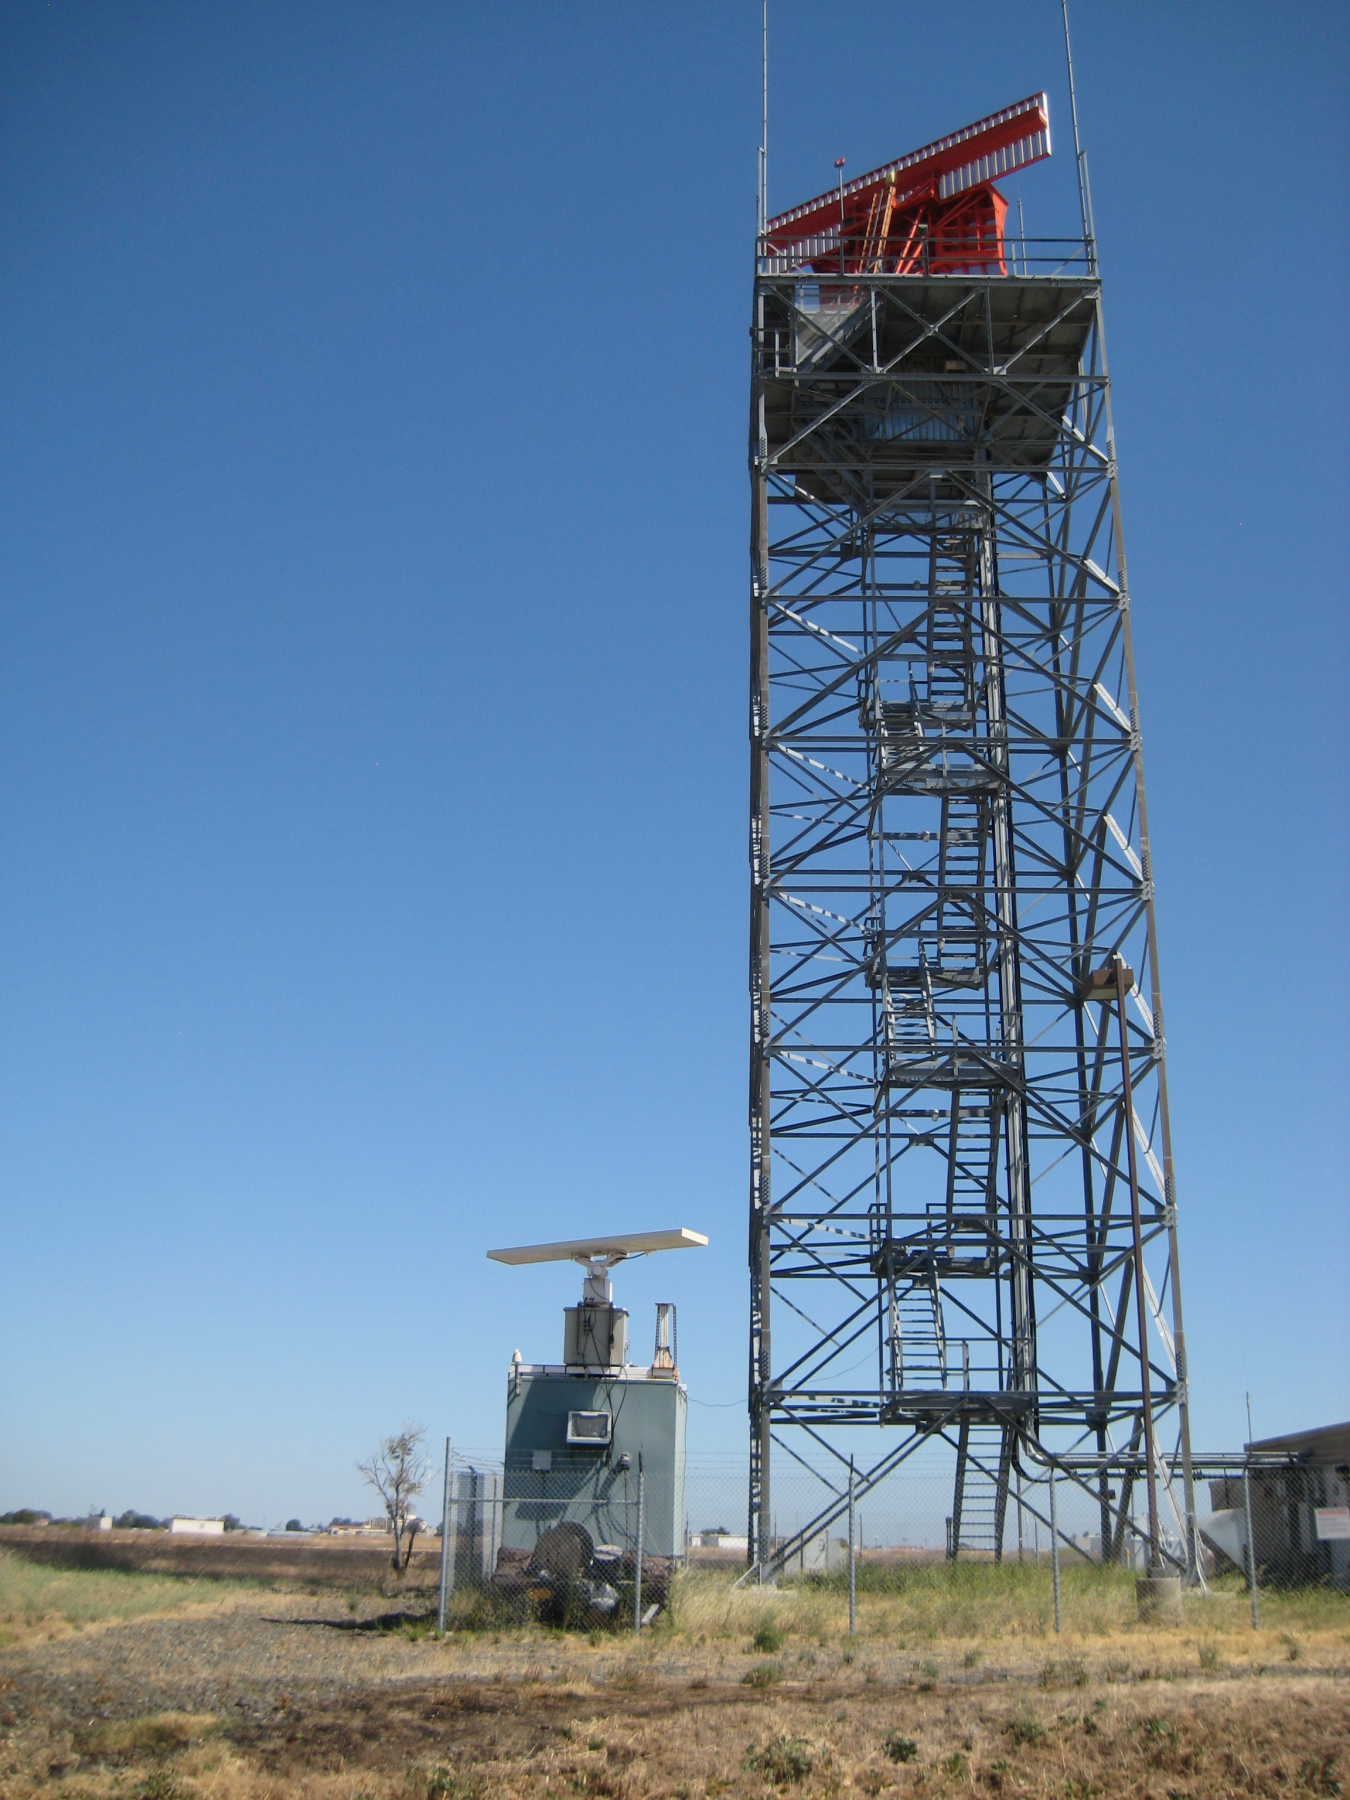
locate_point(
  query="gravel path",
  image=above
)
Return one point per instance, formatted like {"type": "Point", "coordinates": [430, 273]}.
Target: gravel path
{"type": "Point", "coordinates": [255, 1658]}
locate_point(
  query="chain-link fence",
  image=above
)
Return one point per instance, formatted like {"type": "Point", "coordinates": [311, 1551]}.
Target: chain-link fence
{"type": "Point", "coordinates": [1279, 1522]}
{"type": "Point", "coordinates": [523, 1528]}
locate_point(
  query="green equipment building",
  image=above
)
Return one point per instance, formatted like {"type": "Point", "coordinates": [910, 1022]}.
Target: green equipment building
{"type": "Point", "coordinates": [595, 1439]}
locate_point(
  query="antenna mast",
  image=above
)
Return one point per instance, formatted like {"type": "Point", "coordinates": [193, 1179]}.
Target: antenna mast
{"type": "Point", "coordinates": [764, 134]}
{"type": "Point", "coordinates": [1079, 159]}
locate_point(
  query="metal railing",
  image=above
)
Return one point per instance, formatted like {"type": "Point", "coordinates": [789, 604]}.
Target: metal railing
{"type": "Point", "coordinates": [838, 268]}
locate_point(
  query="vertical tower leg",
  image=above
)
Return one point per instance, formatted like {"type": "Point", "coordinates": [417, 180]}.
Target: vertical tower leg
{"type": "Point", "coordinates": [959, 1487]}
{"type": "Point", "coordinates": [758, 1526]}
{"type": "Point", "coordinates": [1001, 1495]}
{"type": "Point", "coordinates": [1022, 1374]}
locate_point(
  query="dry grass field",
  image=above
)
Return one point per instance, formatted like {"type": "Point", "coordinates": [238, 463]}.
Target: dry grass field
{"type": "Point", "coordinates": [131, 1686]}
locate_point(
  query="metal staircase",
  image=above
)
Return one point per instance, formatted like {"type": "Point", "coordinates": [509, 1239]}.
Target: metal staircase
{"type": "Point", "coordinates": [980, 1493]}
{"type": "Point", "coordinates": [918, 1341]}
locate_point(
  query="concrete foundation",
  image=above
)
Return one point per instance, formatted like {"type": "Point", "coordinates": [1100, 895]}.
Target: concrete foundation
{"type": "Point", "coordinates": [1159, 1598]}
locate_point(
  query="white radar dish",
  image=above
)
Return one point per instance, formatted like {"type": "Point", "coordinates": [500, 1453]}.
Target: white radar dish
{"type": "Point", "coordinates": [610, 1250]}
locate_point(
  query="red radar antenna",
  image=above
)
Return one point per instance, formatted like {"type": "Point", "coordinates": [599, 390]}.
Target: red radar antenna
{"type": "Point", "coordinates": [935, 210]}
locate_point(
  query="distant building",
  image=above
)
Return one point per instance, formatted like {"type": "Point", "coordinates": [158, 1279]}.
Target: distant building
{"type": "Point", "coordinates": [720, 1540]}
{"type": "Point", "coordinates": [1134, 1555]}
{"type": "Point", "coordinates": [198, 1527]}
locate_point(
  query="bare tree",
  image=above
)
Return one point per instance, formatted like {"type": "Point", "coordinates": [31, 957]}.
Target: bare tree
{"type": "Point", "coordinates": [398, 1471]}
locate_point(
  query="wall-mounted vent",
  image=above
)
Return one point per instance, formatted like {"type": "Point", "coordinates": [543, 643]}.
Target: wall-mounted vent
{"type": "Point", "coordinates": [589, 1427]}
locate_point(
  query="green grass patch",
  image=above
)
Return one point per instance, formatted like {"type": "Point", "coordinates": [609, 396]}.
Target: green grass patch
{"type": "Point", "coordinates": [157, 1734]}
{"type": "Point", "coordinates": [1072, 1672]}
{"type": "Point", "coordinates": [1026, 1729]}
{"type": "Point", "coordinates": [32, 1594]}
{"type": "Point", "coordinates": [762, 1675]}
{"type": "Point", "coordinates": [783, 1760]}
{"type": "Point", "coordinates": [938, 1604]}
{"type": "Point", "coordinates": [448, 1784]}
{"type": "Point", "coordinates": [1283, 1610]}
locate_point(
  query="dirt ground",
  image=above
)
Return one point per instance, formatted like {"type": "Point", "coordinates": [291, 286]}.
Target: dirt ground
{"type": "Point", "coordinates": [338, 1696]}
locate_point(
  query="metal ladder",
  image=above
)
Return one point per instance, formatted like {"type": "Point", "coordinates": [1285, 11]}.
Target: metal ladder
{"type": "Point", "coordinates": [980, 1492]}
{"type": "Point", "coordinates": [918, 1340]}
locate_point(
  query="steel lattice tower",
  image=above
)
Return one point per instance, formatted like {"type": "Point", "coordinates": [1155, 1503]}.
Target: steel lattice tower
{"type": "Point", "coordinates": [958, 1177]}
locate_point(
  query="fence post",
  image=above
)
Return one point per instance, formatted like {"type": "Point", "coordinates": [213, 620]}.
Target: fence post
{"type": "Point", "coordinates": [1251, 1541]}
{"type": "Point", "coordinates": [637, 1560]}
{"type": "Point", "coordinates": [1054, 1550]}
{"type": "Point", "coordinates": [494, 1521]}
{"type": "Point", "coordinates": [445, 1543]}
{"type": "Point", "coordinates": [852, 1558]}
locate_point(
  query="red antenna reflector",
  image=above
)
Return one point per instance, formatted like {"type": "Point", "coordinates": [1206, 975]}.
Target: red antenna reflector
{"type": "Point", "coordinates": [998, 145]}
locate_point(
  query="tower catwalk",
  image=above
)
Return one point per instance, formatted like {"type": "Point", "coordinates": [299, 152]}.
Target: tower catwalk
{"type": "Point", "coordinates": [962, 1212]}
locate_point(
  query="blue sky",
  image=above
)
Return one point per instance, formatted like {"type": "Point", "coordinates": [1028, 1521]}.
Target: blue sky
{"type": "Point", "coordinates": [373, 560]}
